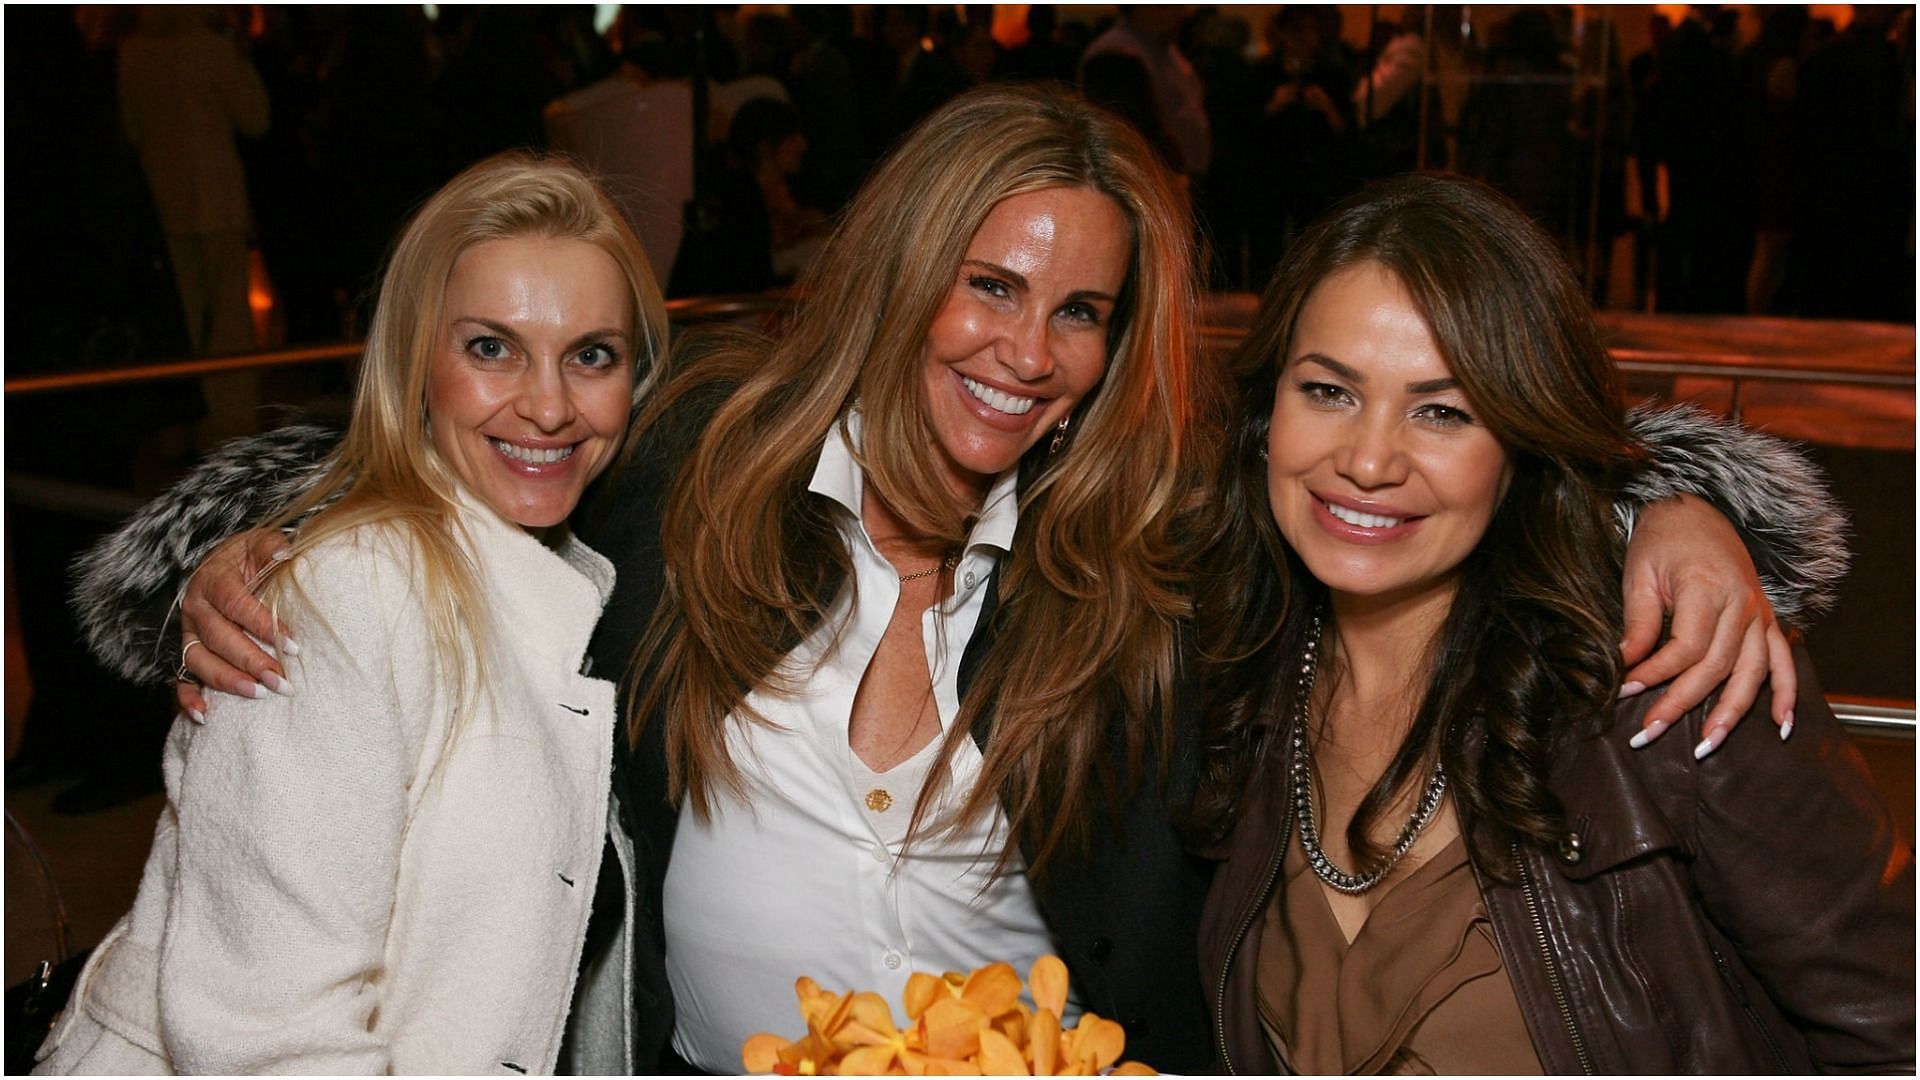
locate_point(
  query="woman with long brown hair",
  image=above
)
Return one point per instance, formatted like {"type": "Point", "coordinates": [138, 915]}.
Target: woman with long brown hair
{"type": "Point", "coordinates": [857, 520]}
{"type": "Point", "coordinates": [1443, 853]}
{"type": "Point", "coordinates": [902, 606]}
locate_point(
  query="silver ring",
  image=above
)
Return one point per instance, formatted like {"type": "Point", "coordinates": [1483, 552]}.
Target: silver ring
{"type": "Point", "coordinates": [182, 674]}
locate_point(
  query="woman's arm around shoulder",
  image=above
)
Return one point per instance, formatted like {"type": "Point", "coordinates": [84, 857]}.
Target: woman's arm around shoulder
{"type": "Point", "coordinates": [126, 587]}
{"type": "Point", "coordinates": [1798, 860]}
{"type": "Point", "coordinates": [291, 821]}
{"type": "Point", "coordinates": [1795, 531]}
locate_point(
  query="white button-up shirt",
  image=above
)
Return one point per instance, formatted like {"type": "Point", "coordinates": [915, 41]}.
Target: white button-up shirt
{"type": "Point", "coordinates": [804, 876]}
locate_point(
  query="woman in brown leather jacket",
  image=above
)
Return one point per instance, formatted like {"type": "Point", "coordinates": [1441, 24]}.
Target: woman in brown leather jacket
{"type": "Point", "coordinates": [1447, 847]}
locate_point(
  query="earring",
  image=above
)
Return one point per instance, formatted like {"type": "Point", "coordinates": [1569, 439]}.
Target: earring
{"type": "Point", "coordinates": [1263, 451]}
{"type": "Point", "coordinates": [1059, 435]}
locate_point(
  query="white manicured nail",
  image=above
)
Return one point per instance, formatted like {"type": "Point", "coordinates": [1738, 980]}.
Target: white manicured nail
{"type": "Point", "coordinates": [1709, 744]}
{"type": "Point", "coordinates": [1647, 734]}
{"type": "Point", "coordinates": [1632, 688]}
{"type": "Point", "coordinates": [277, 684]}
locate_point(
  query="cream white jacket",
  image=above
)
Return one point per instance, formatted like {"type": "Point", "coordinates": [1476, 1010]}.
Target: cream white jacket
{"type": "Point", "coordinates": [336, 886]}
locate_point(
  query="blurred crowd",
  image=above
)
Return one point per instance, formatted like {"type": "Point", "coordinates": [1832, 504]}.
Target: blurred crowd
{"type": "Point", "coordinates": [1766, 171]}
{"type": "Point", "coordinates": [180, 176]}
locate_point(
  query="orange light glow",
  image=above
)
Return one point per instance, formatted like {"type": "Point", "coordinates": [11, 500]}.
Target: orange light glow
{"type": "Point", "coordinates": [260, 299]}
{"type": "Point", "coordinates": [1837, 14]}
{"type": "Point", "coordinates": [1675, 13]}
{"type": "Point", "coordinates": [1010, 25]}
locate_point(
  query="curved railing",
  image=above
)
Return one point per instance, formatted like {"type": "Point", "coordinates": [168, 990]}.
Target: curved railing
{"type": "Point", "coordinates": [1737, 349]}
{"type": "Point", "coordinates": [694, 311]}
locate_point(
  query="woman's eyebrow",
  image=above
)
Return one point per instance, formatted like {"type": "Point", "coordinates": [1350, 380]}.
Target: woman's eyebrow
{"type": "Point", "coordinates": [499, 328]}
{"type": "Point", "coordinates": [600, 335]}
{"type": "Point", "coordinates": [1335, 366]}
{"type": "Point", "coordinates": [1014, 277]}
{"type": "Point", "coordinates": [1425, 386]}
{"type": "Point", "coordinates": [1019, 281]}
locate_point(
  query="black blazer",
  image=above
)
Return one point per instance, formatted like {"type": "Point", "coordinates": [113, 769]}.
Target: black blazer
{"type": "Point", "coordinates": [1124, 916]}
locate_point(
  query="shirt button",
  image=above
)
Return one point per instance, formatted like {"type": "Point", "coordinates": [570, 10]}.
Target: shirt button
{"type": "Point", "coordinates": [970, 579]}
{"type": "Point", "coordinates": [893, 960]}
{"type": "Point", "coordinates": [879, 853]}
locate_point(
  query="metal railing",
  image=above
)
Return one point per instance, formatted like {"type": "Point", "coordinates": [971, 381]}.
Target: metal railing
{"type": "Point", "coordinates": [1748, 349]}
{"type": "Point", "coordinates": [692, 311]}
{"type": "Point", "coordinates": [1884, 362]}
{"type": "Point", "coordinates": [1884, 720]}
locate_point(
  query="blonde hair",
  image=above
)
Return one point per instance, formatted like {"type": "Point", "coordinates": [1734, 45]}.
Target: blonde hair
{"type": "Point", "coordinates": [385, 472]}
{"type": "Point", "coordinates": [1091, 595]}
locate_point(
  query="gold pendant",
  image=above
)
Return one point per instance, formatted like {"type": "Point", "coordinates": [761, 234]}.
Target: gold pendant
{"type": "Point", "coordinates": [879, 801]}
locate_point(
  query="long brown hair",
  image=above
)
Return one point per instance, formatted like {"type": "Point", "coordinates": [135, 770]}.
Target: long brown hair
{"type": "Point", "coordinates": [1528, 650]}
{"type": "Point", "coordinates": [1091, 594]}
{"type": "Point", "coordinates": [385, 470]}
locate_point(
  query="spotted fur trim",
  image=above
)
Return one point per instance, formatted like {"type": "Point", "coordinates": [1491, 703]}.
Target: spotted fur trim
{"type": "Point", "coordinates": [1779, 501]}
{"type": "Point", "coordinates": [127, 586]}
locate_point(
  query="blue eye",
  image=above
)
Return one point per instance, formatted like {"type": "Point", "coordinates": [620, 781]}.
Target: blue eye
{"type": "Point", "coordinates": [487, 348]}
{"type": "Point", "coordinates": [598, 355]}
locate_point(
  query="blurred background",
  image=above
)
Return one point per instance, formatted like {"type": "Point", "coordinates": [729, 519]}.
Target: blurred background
{"type": "Point", "coordinates": [198, 200]}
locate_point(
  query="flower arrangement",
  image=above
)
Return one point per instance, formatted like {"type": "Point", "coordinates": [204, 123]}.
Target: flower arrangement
{"type": "Point", "coordinates": [957, 1025]}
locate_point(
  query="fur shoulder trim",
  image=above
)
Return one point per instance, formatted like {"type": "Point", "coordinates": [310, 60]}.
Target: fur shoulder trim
{"type": "Point", "coordinates": [127, 586]}
{"type": "Point", "coordinates": [1778, 500]}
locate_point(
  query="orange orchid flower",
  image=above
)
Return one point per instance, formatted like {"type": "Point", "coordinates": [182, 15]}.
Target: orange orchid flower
{"type": "Point", "coordinates": [957, 1025]}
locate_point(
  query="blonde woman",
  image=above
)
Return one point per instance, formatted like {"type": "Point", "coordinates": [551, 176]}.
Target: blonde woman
{"type": "Point", "coordinates": [902, 601]}
{"type": "Point", "coordinates": [391, 869]}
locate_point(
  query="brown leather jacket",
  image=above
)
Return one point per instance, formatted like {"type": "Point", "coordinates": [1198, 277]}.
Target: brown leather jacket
{"type": "Point", "coordinates": [1750, 913]}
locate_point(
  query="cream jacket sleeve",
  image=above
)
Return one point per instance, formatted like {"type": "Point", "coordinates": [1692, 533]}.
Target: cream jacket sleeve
{"type": "Point", "coordinates": [292, 813]}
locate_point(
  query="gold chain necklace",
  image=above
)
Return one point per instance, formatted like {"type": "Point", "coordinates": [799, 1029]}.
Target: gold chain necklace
{"type": "Point", "coordinates": [952, 560]}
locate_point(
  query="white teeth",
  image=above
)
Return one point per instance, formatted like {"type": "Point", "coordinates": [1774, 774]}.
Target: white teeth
{"type": "Point", "coordinates": [1003, 402]}
{"type": "Point", "coordinates": [1365, 521]}
{"type": "Point", "coordinates": [530, 455]}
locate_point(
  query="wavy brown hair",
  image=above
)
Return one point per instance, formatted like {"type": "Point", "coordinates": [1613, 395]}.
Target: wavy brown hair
{"type": "Point", "coordinates": [1091, 595]}
{"type": "Point", "coordinates": [1529, 650]}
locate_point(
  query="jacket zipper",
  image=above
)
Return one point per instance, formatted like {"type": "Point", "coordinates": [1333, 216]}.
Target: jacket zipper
{"type": "Point", "coordinates": [1553, 967]}
{"type": "Point", "coordinates": [1753, 1018]}
{"type": "Point", "coordinates": [1226, 966]}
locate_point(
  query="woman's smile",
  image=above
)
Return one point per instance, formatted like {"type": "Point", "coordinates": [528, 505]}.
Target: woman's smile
{"type": "Point", "coordinates": [1363, 523]}
{"type": "Point", "coordinates": [999, 401]}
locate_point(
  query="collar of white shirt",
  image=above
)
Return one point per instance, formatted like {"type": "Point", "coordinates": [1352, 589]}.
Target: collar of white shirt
{"type": "Point", "coordinates": [806, 871]}
{"type": "Point", "coordinates": [838, 477]}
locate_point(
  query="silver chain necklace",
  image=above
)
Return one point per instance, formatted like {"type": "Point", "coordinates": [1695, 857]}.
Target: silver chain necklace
{"type": "Point", "coordinates": [1302, 777]}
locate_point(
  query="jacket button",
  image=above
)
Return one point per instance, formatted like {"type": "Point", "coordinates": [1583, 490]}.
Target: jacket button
{"type": "Point", "coordinates": [1570, 851]}
{"type": "Point", "coordinates": [1100, 950]}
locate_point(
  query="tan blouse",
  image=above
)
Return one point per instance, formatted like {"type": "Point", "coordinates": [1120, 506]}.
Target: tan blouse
{"type": "Point", "coordinates": [1419, 991]}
